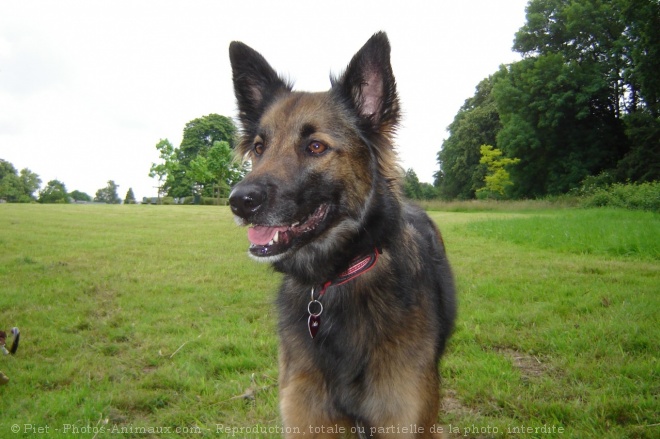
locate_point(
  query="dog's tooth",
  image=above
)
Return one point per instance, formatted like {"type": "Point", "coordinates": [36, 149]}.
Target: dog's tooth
{"type": "Point", "coordinates": [276, 237]}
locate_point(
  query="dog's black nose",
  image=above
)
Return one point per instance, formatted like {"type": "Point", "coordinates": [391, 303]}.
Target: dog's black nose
{"type": "Point", "coordinates": [245, 200]}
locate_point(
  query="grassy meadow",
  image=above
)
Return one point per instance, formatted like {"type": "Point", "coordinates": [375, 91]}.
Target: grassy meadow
{"type": "Point", "coordinates": [151, 321]}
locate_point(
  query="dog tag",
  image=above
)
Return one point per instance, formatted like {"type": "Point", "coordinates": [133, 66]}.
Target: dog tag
{"type": "Point", "coordinates": [313, 323]}
{"type": "Point", "coordinates": [314, 309]}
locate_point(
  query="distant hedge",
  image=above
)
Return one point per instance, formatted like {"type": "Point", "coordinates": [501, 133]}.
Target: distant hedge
{"type": "Point", "coordinates": [205, 201]}
{"type": "Point", "coordinates": [642, 196]}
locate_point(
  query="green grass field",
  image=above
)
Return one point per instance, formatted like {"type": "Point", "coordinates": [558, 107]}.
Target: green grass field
{"type": "Point", "coordinates": [151, 321]}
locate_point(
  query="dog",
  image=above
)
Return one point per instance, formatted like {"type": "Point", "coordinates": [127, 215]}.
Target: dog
{"type": "Point", "coordinates": [367, 301]}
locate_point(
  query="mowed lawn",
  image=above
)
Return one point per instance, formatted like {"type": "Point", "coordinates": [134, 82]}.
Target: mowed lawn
{"type": "Point", "coordinates": [151, 321]}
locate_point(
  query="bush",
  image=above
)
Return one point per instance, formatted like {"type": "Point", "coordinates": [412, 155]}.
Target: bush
{"type": "Point", "coordinates": [644, 196]}
{"type": "Point", "coordinates": [593, 183]}
{"type": "Point", "coordinates": [204, 201]}
{"type": "Point", "coordinates": [212, 201]}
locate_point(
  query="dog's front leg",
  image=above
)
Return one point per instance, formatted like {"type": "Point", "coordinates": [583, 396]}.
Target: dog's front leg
{"type": "Point", "coordinates": [305, 404]}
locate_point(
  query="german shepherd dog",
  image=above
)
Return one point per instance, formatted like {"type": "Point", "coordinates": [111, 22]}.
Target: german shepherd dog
{"type": "Point", "coordinates": [367, 299]}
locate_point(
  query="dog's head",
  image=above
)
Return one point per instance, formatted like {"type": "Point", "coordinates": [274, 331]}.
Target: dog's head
{"type": "Point", "coordinates": [319, 161]}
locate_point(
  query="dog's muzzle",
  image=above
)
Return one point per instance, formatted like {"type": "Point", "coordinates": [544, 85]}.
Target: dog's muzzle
{"type": "Point", "coordinates": [274, 235]}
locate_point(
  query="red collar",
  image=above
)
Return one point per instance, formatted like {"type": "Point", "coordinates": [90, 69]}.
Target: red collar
{"type": "Point", "coordinates": [358, 267]}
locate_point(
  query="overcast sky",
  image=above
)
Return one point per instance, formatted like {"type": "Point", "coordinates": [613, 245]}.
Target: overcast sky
{"type": "Point", "coordinates": [88, 88]}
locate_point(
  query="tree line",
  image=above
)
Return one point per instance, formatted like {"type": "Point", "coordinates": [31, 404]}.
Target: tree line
{"type": "Point", "coordinates": [202, 166]}
{"type": "Point", "coordinates": [584, 102]}
{"type": "Point", "coordinates": [23, 187]}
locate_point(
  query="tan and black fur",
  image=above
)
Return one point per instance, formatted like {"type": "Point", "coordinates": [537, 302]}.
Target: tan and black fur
{"type": "Point", "coordinates": [325, 188]}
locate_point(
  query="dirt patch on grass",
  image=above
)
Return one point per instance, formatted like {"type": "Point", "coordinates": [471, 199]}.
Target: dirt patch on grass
{"type": "Point", "coordinates": [530, 366]}
{"type": "Point", "coordinates": [451, 404]}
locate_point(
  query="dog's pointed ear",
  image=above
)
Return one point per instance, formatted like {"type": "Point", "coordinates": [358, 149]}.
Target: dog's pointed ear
{"type": "Point", "coordinates": [255, 83]}
{"type": "Point", "coordinates": [369, 85]}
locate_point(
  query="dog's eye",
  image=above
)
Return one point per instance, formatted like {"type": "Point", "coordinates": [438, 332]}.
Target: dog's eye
{"type": "Point", "coordinates": [258, 148]}
{"type": "Point", "coordinates": [316, 148]}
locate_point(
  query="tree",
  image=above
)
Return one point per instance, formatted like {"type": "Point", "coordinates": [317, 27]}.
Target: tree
{"type": "Point", "coordinates": [30, 183]}
{"type": "Point", "coordinates": [16, 188]}
{"type": "Point", "coordinates": [584, 100]}
{"type": "Point", "coordinates": [411, 185]}
{"type": "Point", "coordinates": [416, 190]}
{"type": "Point", "coordinates": [200, 134]}
{"type": "Point", "coordinates": [642, 162]}
{"type": "Point", "coordinates": [108, 194]}
{"type": "Point", "coordinates": [497, 178]}
{"type": "Point", "coordinates": [622, 37]}
{"type": "Point", "coordinates": [171, 175]}
{"type": "Point", "coordinates": [603, 59]}
{"type": "Point", "coordinates": [54, 192]}
{"type": "Point", "coordinates": [476, 123]}
{"type": "Point", "coordinates": [80, 196]}
{"type": "Point", "coordinates": [428, 191]}
{"type": "Point", "coordinates": [561, 106]}
{"type": "Point", "coordinates": [556, 118]}
{"type": "Point", "coordinates": [643, 34]}
{"type": "Point", "coordinates": [225, 169]}
{"type": "Point", "coordinates": [217, 171]}
{"type": "Point", "coordinates": [130, 197]}
{"type": "Point", "coordinates": [204, 163]}
{"type": "Point", "coordinates": [9, 185]}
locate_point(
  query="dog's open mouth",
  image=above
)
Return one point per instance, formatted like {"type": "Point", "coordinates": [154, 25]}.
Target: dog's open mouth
{"type": "Point", "coordinates": [274, 240]}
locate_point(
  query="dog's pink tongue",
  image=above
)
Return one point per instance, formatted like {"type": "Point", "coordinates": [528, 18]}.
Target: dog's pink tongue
{"type": "Point", "coordinates": [261, 235]}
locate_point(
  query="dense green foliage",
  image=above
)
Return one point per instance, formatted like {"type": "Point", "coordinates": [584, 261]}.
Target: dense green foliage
{"type": "Point", "coordinates": [130, 196]}
{"type": "Point", "coordinates": [80, 196]}
{"type": "Point", "coordinates": [497, 179]}
{"type": "Point", "coordinates": [216, 172]}
{"type": "Point", "coordinates": [477, 123]}
{"type": "Point", "coordinates": [585, 99]}
{"type": "Point", "coordinates": [155, 317]}
{"type": "Point", "coordinates": [549, 121]}
{"type": "Point", "coordinates": [204, 201]}
{"type": "Point", "coordinates": [108, 194]}
{"type": "Point", "coordinates": [643, 196]}
{"type": "Point", "coordinates": [200, 134]}
{"type": "Point", "coordinates": [416, 190]}
{"type": "Point", "coordinates": [15, 187]}
{"type": "Point", "coordinates": [203, 165]}
{"type": "Point", "coordinates": [20, 187]}
{"type": "Point", "coordinates": [54, 192]}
